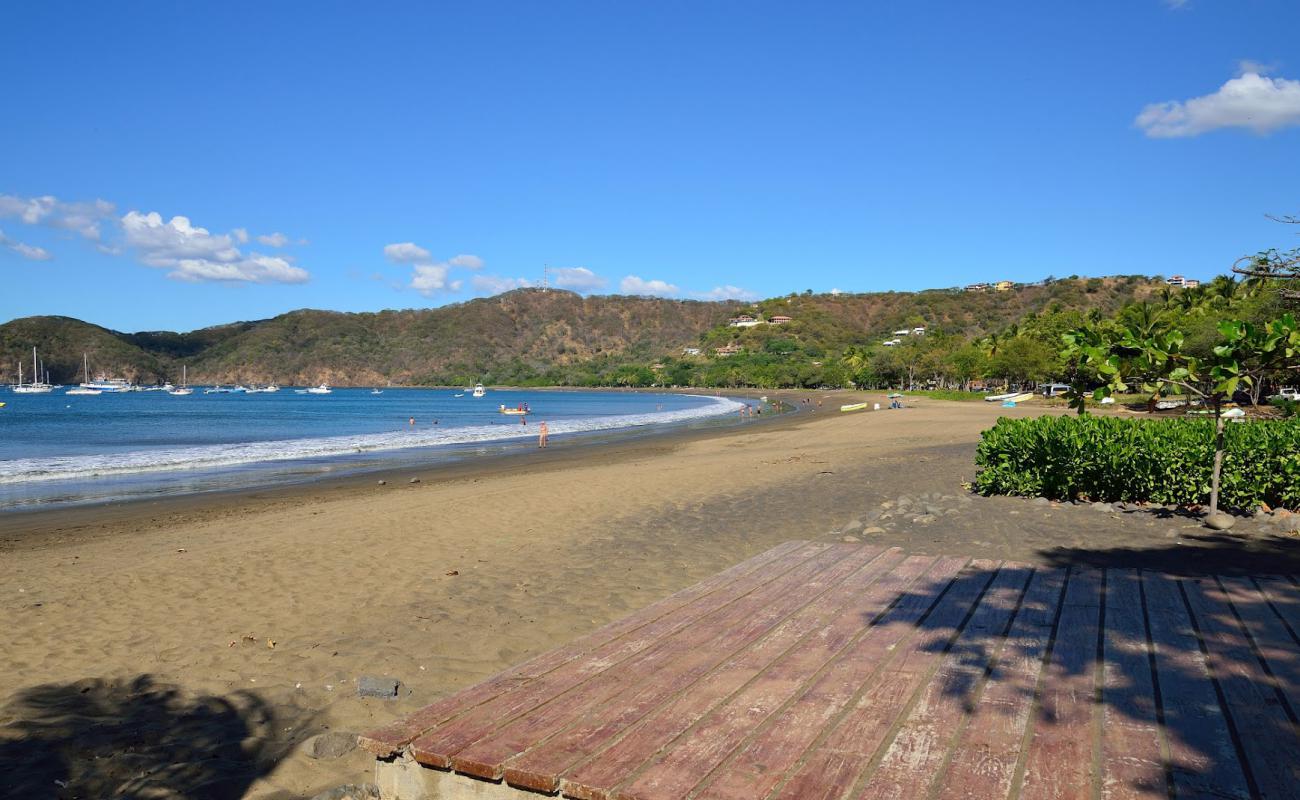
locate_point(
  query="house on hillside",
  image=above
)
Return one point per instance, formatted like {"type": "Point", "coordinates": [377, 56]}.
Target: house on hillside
{"type": "Point", "coordinates": [690, 351]}
{"type": "Point", "coordinates": [1190, 283]}
{"type": "Point", "coordinates": [903, 332]}
{"type": "Point", "coordinates": [779, 319]}
{"type": "Point", "coordinates": [743, 321]}
{"type": "Point", "coordinates": [977, 287]}
{"type": "Point", "coordinates": [1176, 280]}
{"type": "Point", "coordinates": [1004, 286]}
{"type": "Point", "coordinates": [727, 350]}
{"type": "Point", "coordinates": [892, 342]}
{"type": "Point", "coordinates": [919, 330]}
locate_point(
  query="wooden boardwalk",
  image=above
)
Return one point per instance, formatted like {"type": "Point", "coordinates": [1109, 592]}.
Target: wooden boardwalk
{"type": "Point", "coordinates": [852, 671]}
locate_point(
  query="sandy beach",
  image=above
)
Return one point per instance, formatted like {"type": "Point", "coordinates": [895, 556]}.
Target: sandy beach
{"type": "Point", "coordinates": [192, 647]}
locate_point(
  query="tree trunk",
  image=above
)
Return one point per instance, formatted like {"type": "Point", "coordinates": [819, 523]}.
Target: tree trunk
{"type": "Point", "coordinates": [1218, 455]}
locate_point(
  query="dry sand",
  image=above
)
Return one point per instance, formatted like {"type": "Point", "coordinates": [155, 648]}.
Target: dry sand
{"type": "Point", "coordinates": [189, 648]}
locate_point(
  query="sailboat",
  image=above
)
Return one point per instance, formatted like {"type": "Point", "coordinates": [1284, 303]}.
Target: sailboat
{"type": "Point", "coordinates": [37, 386]}
{"type": "Point", "coordinates": [83, 389]}
{"type": "Point", "coordinates": [184, 388]}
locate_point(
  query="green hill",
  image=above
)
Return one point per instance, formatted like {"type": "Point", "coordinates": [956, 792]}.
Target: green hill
{"type": "Point", "coordinates": [537, 336]}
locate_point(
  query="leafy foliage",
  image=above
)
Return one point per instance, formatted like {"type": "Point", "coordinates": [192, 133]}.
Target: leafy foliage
{"type": "Point", "coordinates": [1162, 461]}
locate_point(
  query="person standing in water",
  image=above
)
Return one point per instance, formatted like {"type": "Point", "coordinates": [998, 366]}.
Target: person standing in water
{"type": "Point", "coordinates": [542, 433]}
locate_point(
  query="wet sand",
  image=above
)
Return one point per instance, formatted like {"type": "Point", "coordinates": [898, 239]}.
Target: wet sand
{"type": "Point", "coordinates": [191, 646]}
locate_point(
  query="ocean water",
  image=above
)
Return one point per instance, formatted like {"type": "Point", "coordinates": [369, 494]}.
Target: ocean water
{"type": "Point", "coordinates": [58, 450]}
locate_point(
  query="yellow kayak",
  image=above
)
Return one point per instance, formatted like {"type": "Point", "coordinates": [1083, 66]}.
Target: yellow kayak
{"type": "Point", "coordinates": [853, 407]}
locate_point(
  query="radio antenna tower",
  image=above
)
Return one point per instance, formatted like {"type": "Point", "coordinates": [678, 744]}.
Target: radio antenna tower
{"type": "Point", "coordinates": [546, 278]}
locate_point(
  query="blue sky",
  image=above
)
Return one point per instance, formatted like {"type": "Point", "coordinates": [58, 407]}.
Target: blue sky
{"type": "Point", "coordinates": [366, 156]}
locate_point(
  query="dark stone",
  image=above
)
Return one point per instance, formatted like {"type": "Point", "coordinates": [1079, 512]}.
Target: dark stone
{"type": "Point", "coordinates": [371, 686]}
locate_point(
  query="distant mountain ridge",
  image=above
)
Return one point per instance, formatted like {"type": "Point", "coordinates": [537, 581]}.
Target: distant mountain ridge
{"type": "Point", "coordinates": [512, 336]}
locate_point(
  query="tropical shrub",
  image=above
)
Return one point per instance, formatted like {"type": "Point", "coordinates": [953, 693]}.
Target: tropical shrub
{"type": "Point", "coordinates": [1160, 461]}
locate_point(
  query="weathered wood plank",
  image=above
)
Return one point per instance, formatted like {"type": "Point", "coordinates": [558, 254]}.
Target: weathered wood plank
{"type": "Point", "coordinates": [1274, 641]}
{"type": "Point", "coordinates": [1202, 758]}
{"type": "Point", "coordinates": [916, 756]}
{"type": "Point", "coordinates": [391, 738]}
{"type": "Point", "coordinates": [832, 767]}
{"type": "Point", "coordinates": [1267, 735]}
{"type": "Point", "coordinates": [985, 760]}
{"type": "Point", "coordinates": [677, 662]}
{"type": "Point", "coordinates": [438, 746]}
{"type": "Point", "coordinates": [1059, 760]}
{"type": "Point", "coordinates": [600, 776]}
{"type": "Point", "coordinates": [541, 766]}
{"type": "Point", "coordinates": [1132, 743]}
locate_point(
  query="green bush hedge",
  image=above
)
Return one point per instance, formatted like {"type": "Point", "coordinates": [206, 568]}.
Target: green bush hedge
{"type": "Point", "coordinates": [1159, 461]}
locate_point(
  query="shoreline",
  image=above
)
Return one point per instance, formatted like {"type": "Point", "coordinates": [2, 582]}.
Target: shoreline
{"type": "Point", "coordinates": [20, 527]}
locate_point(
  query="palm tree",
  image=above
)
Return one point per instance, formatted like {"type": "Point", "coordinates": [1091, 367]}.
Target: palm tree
{"type": "Point", "coordinates": [1145, 319]}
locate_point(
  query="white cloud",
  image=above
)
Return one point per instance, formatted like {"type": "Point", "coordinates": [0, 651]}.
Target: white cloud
{"type": "Point", "coordinates": [407, 253]}
{"type": "Point", "coordinates": [30, 252]}
{"type": "Point", "coordinates": [634, 285]}
{"type": "Point", "coordinates": [1247, 66]}
{"type": "Point", "coordinates": [467, 261]}
{"type": "Point", "coordinates": [83, 218]}
{"type": "Point", "coordinates": [727, 292]}
{"type": "Point", "coordinates": [256, 268]}
{"type": "Point", "coordinates": [276, 239]}
{"type": "Point", "coordinates": [579, 279]}
{"type": "Point", "coordinates": [1249, 101]}
{"type": "Point", "coordinates": [429, 279]}
{"type": "Point", "coordinates": [496, 284]}
{"type": "Point", "coordinates": [241, 235]}
{"type": "Point", "coordinates": [195, 254]}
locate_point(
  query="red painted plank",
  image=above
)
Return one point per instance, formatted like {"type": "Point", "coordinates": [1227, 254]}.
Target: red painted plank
{"type": "Point", "coordinates": [833, 767]}
{"type": "Point", "coordinates": [599, 776]}
{"type": "Point", "coordinates": [1202, 759]}
{"type": "Point", "coordinates": [916, 755]}
{"type": "Point", "coordinates": [1059, 759]}
{"type": "Point", "coordinates": [674, 663]}
{"type": "Point", "coordinates": [436, 747]}
{"type": "Point", "coordinates": [540, 767]}
{"type": "Point", "coordinates": [985, 760]}
{"type": "Point", "coordinates": [391, 738]}
{"type": "Point", "coordinates": [1266, 734]}
{"type": "Point", "coordinates": [1132, 757]}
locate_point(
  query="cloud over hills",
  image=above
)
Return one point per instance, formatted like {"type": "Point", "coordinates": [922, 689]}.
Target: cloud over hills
{"type": "Point", "coordinates": [1252, 100]}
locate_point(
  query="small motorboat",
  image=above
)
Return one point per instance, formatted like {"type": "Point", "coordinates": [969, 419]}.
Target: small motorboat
{"type": "Point", "coordinates": [376, 390]}
{"type": "Point", "coordinates": [322, 389]}
{"type": "Point", "coordinates": [518, 411]}
{"type": "Point", "coordinates": [462, 394]}
{"type": "Point", "coordinates": [479, 391]}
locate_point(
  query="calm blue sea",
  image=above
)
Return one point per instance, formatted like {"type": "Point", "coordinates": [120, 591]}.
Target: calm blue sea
{"type": "Point", "coordinates": [56, 449]}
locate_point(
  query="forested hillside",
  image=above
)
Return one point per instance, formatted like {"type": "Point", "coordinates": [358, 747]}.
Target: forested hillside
{"type": "Point", "coordinates": [537, 336]}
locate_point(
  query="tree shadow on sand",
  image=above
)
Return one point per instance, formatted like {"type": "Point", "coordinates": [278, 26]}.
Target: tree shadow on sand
{"type": "Point", "coordinates": [1183, 662]}
{"type": "Point", "coordinates": [137, 738]}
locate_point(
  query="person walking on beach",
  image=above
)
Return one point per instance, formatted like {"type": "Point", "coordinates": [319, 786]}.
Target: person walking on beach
{"type": "Point", "coordinates": [542, 433]}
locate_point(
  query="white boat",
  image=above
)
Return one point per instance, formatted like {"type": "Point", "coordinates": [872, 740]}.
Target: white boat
{"type": "Point", "coordinates": [269, 389]}
{"type": "Point", "coordinates": [459, 394]}
{"type": "Point", "coordinates": [106, 384]}
{"type": "Point", "coordinates": [37, 386]}
{"type": "Point", "coordinates": [376, 390]}
{"type": "Point", "coordinates": [322, 389]}
{"type": "Point", "coordinates": [218, 389]}
{"type": "Point", "coordinates": [82, 390]}
{"type": "Point", "coordinates": [184, 389]}
{"type": "Point", "coordinates": [516, 412]}
{"type": "Point", "coordinates": [479, 391]}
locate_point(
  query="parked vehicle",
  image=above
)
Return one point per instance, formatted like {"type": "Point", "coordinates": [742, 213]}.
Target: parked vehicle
{"type": "Point", "coordinates": [1055, 389]}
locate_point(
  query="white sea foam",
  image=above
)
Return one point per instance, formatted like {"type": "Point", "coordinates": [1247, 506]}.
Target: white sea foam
{"type": "Point", "coordinates": [228, 455]}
